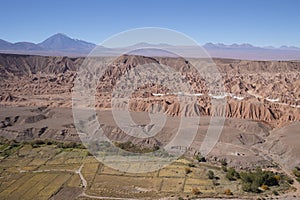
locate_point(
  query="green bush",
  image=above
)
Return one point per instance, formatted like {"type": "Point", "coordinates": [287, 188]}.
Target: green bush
{"type": "Point", "coordinates": [223, 162]}
{"type": "Point", "coordinates": [296, 172]}
{"type": "Point", "coordinates": [191, 165]}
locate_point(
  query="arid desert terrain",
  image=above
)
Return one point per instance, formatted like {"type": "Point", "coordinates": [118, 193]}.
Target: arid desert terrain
{"type": "Point", "coordinates": [43, 157]}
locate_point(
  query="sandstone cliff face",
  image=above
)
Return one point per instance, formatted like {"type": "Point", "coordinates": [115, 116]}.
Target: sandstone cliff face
{"type": "Point", "coordinates": [259, 90]}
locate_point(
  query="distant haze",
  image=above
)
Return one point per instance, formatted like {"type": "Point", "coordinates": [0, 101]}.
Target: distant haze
{"type": "Point", "coordinates": [62, 45]}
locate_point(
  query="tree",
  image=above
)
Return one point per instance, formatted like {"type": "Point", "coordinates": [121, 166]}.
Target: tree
{"type": "Point", "coordinates": [253, 180]}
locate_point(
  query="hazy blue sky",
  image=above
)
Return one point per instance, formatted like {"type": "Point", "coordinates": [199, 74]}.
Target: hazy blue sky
{"type": "Point", "coordinates": [259, 22]}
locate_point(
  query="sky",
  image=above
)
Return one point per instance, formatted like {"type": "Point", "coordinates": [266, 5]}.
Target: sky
{"type": "Point", "coordinates": [258, 22]}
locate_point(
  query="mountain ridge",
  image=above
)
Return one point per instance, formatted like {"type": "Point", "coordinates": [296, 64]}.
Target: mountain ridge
{"type": "Point", "coordinates": [60, 44]}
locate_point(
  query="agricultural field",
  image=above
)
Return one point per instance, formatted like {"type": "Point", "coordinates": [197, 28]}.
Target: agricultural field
{"type": "Point", "coordinates": [46, 171]}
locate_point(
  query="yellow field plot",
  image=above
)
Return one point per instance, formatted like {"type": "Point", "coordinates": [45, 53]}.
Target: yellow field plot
{"type": "Point", "coordinates": [8, 181]}
{"type": "Point", "coordinates": [77, 153]}
{"type": "Point", "coordinates": [15, 162]}
{"type": "Point", "coordinates": [149, 174]}
{"type": "Point", "coordinates": [60, 167]}
{"type": "Point", "coordinates": [32, 193]}
{"type": "Point", "coordinates": [90, 168]}
{"type": "Point", "coordinates": [62, 154]}
{"type": "Point", "coordinates": [108, 170]}
{"type": "Point", "coordinates": [22, 161]}
{"type": "Point", "coordinates": [172, 184]}
{"type": "Point", "coordinates": [25, 150]}
{"type": "Point", "coordinates": [90, 159]}
{"type": "Point", "coordinates": [89, 171]}
{"type": "Point", "coordinates": [38, 161]}
{"type": "Point", "coordinates": [203, 189]}
{"type": "Point", "coordinates": [198, 173]}
{"type": "Point", "coordinates": [234, 187]}
{"type": "Point", "coordinates": [74, 181]}
{"type": "Point", "coordinates": [53, 186]}
{"type": "Point", "coordinates": [14, 186]}
{"type": "Point", "coordinates": [182, 161]}
{"type": "Point", "coordinates": [12, 169]}
{"type": "Point", "coordinates": [104, 184]}
{"type": "Point", "coordinates": [193, 181]}
{"type": "Point", "coordinates": [7, 163]}
{"type": "Point", "coordinates": [4, 184]}
{"type": "Point", "coordinates": [48, 151]}
{"type": "Point", "coordinates": [137, 167]}
{"type": "Point", "coordinates": [56, 161]}
{"type": "Point", "coordinates": [28, 168]}
{"type": "Point", "coordinates": [29, 184]}
{"type": "Point", "coordinates": [73, 160]}
{"type": "Point", "coordinates": [172, 171]}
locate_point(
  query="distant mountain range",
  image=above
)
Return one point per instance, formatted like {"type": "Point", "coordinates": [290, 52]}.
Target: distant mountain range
{"type": "Point", "coordinates": [62, 45]}
{"type": "Point", "coordinates": [58, 44]}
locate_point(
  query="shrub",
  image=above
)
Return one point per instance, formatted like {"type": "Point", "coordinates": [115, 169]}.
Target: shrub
{"type": "Point", "coordinates": [277, 177]}
{"type": "Point", "coordinates": [264, 187]}
{"type": "Point", "coordinates": [191, 165]}
{"type": "Point", "coordinates": [232, 175]}
{"type": "Point", "coordinates": [200, 158]}
{"type": "Point", "coordinates": [275, 192]}
{"type": "Point", "coordinates": [224, 168]}
{"type": "Point", "coordinates": [215, 183]}
{"type": "Point", "coordinates": [36, 143]}
{"type": "Point", "coordinates": [210, 174]}
{"type": "Point", "coordinates": [228, 192]}
{"type": "Point", "coordinates": [187, 170]}
{"type": "Point", "coordinates": [223, 162]}
{"type": "Point", "coordinates": [296, 172]}
{"type": "Point", "coordinates": [289, 180]}
{"type": "Point", "coordinates": [196, 191]}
